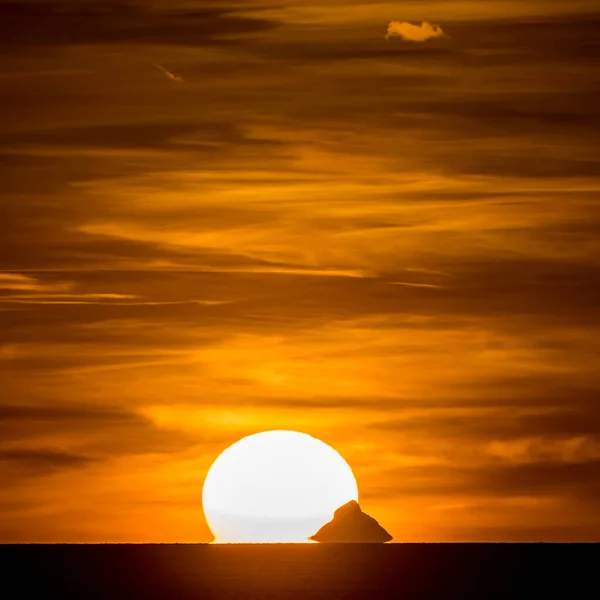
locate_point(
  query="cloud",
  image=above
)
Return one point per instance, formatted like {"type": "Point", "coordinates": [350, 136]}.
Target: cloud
{"type": "Point", "coordinates": [517, 432]}
{"type": "Point", "coordinates": [32, 290]}
{"type": "Point", "coordinates": [66, 413]}
{"type": "Point", "coordinates": [413, 33]}
{"type": "Point", "coordinates": [42, 461]}
{"type": "Point", "coordinates": [66, 22]}
{"type": "Point", "coordinates": [549, 478]}
{"type": "Point", "coordinates": [527, 450]}
{"type": "Point", "coordinates": [80, 431]}
{"type": "Point", "coordinates": [148, 135]}
{"type": "Point", "coordinates": [18, 282]}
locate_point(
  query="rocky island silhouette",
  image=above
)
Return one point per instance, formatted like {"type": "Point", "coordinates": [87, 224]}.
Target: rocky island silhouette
{"type": "Point", "coordinates": [351, 525]}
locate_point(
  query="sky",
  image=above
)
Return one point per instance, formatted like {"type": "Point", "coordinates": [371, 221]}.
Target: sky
{"type": "Point", "coordinates": [374, 222]}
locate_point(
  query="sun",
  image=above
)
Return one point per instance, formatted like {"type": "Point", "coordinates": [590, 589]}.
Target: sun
{"type": "Point", "coordinates": [275, 486]}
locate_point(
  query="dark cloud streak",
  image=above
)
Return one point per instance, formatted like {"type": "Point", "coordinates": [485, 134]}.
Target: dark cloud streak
{"type": "Point", "coordinates": [65, 23]}
{"type": "Point", "coordinates": [37, 462]}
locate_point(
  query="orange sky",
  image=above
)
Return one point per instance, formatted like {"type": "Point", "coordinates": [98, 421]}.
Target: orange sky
{"type": "Point", "coordinates": [220, 218]}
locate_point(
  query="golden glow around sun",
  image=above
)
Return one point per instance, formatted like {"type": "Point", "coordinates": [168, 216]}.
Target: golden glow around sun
{"type": "Point", "coordinates": [275, 486]}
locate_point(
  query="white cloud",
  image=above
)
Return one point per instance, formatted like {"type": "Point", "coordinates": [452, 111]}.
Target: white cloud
{"type": "Point", "coordinates": [413, 33]}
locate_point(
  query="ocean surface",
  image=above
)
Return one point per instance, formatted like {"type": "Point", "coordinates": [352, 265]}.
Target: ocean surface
{"type": "Point", "coordinates": [290, 572]}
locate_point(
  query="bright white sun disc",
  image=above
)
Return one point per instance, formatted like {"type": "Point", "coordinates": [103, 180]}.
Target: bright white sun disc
{"type": "Point", "coordinates": [275, 486]}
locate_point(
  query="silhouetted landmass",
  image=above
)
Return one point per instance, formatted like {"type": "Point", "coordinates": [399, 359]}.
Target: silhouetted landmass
{"type": "Point", "coordinates": [300, 572]}
{"type": "Point", "coordinates": [351, 525]}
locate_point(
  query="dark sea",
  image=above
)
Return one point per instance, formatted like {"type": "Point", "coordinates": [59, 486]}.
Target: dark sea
{"type": "Point", "coordinates": [290, 572]}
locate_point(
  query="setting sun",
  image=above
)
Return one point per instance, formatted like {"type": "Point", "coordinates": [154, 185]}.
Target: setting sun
{"type": "Point", "coordinates": [275, 486]}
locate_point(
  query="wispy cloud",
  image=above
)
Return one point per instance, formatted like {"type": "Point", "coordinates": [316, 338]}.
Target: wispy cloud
{"type": "Point", "coordinates": [26, 283]}
{"type": "Point", "coordinates": [17, 288]}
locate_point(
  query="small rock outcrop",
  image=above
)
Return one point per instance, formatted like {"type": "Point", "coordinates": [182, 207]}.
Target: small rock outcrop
{"type": "Point", "coordinates": [351, 525]}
